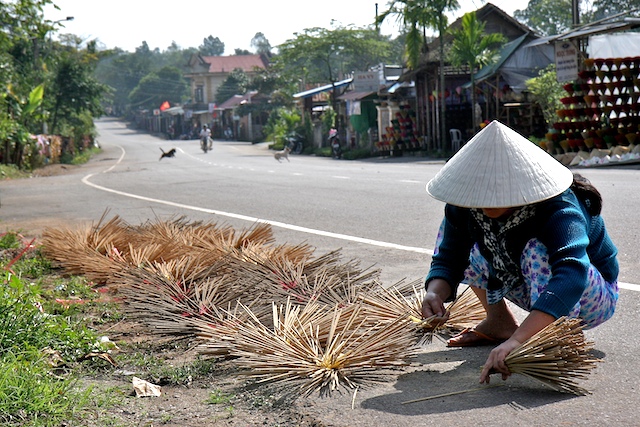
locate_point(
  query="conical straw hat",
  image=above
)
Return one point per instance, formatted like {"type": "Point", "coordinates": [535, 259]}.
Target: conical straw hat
{"type": "Point", "coordinates": [499, 168]}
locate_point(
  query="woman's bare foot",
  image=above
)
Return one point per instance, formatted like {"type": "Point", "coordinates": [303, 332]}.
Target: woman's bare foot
{"type": "Point", "coordinates": [482, 334]}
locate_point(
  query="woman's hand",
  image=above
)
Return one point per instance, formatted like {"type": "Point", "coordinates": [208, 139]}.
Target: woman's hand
{"type": "Point", "coordinates": [495, 361]}
{"type": "Point", "coordinates": [535, 322]}
{"type": "Point", "coordinates": [433, 303]}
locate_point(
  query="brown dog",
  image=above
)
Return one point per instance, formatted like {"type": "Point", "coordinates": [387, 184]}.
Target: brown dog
{"type": "Point", "coordinates": [283, 154]}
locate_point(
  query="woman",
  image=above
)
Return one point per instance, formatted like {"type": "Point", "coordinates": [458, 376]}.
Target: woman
{"type": "Point", "coordinates": [518, 225]}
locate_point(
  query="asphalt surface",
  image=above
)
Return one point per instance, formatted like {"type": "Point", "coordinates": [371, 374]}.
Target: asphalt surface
{"type": "Point", "coordinates": [377, 212]}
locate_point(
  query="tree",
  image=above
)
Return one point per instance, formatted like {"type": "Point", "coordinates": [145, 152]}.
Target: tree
{"type": "Point", "coordinates": [320, 55]}
{"type": "Point", "coordinates": [546, 17]}
{"type": "Point", "coordinates": [211, 46]}
{"type": "Point", "coordinates": [546, 92]}
{"type": "Point", "coordinates": [261, 45]}
{"type": "Point", "coordinates": [74, 90]}
{"type": "Point", "coordinates": [608, 8]}
{"type": "Point", "coordinates": [417, 16]}
{"type": "Point", "coordinates": [166, 84]}
{"type": "Point", "coordinates": [475, 49]}
{"type": "Point", "coordinates": [235, 84]}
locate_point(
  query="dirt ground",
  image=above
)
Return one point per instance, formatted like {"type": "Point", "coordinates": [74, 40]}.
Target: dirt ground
{"type": "Point", "coordinates": [189, 403]}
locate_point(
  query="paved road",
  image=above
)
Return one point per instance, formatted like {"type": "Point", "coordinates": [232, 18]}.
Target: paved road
{"type": "Point", "coordinates": [378, 212]}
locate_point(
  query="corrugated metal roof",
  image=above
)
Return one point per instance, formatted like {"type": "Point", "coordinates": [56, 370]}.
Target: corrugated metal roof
{"type": "Point", "coordinates": [354, 95]}
{"type": "Point", "coordinates": [314, 91]}
{"type": "Point", "coordinates": [506, 51]}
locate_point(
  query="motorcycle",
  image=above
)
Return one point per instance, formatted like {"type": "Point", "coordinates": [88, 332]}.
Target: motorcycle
{"type": "Point", "coordinates": [295, 142]}
{"type": "Point", "coordinates": [334, 141]}
{"type": "Point", "coordinates": [204, 144]}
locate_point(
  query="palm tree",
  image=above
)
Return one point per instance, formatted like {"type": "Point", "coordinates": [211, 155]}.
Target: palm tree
{"type": "Point", "coordinates": [475, 49]}
{"type": "Point", "coordinates": [417, 16]}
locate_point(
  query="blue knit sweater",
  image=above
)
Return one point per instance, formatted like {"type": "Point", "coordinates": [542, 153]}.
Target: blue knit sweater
{"type": "Point", "coordinates": [574, 239]}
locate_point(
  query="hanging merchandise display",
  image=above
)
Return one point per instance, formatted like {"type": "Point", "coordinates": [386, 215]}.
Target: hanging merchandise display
{"type": "Point", "coordinates": [600, 119]}
{"type": "Point", "coordinates": [401, 135]}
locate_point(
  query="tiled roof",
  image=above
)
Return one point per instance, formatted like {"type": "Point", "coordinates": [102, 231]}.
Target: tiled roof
{"type": "Point", "coordinates": [226, 64]}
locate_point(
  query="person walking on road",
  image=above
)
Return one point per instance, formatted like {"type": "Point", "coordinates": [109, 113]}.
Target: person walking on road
{"type": "Point", "coordinates": [520, 226]}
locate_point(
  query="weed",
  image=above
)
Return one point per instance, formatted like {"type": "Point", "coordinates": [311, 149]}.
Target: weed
{"type": "Point", "coordinates": [85, 155]}
{"type": "Point", "coordinates": [31, 395]}
{"type": "Point", "coordinates": [12, 172]}
{"type": "Point", "coordinates": [10, 241]}
{"type": "Point", "coordinates": [217, 397]}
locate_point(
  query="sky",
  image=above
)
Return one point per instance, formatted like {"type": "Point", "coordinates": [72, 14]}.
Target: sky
{"type": "Point", "coordinates": [127, 23]}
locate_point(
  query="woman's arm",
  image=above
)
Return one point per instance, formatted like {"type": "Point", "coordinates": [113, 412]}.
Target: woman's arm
{"type": "Point", "coordinates": [534, 323]}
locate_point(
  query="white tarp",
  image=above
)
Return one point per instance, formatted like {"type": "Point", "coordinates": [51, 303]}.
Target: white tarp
{"type": "Point", "coordinates": [619, 45]}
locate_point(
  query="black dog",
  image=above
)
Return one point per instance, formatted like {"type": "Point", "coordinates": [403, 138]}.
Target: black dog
{"type": "Point", "coordinates": [170, 153]}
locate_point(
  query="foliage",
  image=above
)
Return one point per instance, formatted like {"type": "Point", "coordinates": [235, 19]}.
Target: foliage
{"type": "Point", "coordinates": [84, 156]}
{"type": "Point", "coordinates": [415, 17]}
{"type": "Point", "coordinates": [25, 326]}
{"type": "Point", "coordinates": [40, 347]}
{"type": "Point", "coordinates": [328, 120]}
{"type": "Point", "coordinates": [30, 395]}
{"type": "Point", "coordinates": [211, 46]}
{"type": "Point", "coordinates": [607, 8]}
{"type": "Point", "coordinates": [320, 55]}
{"type": "Point", "coordinates": [281, 123]}
{"type": "Point", "coordinates": [546, 92]}
{"type": "Point", "coordinates": [235, 84]}
{"type": "Point", "coordinates": [18, 143]}
{"type": "Point", "coordinates": [12, 172]}
{"type": "Point", "coordinates": [547, 17]}
{"type": "Point", "coordinates": [74, 90]}
{"type": "Point", "coordinates": [551, 17]}
{"type": "Point", "coordinates": [261, 45]}
{"type": "Point", "coordinates": [166, 84]}
{"type": "Point", "coordinates": [49, 85]}
{"type": "Point", "coordinates": [472, 47]}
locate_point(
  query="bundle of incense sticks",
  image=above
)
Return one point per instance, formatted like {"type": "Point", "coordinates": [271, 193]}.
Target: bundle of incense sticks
{"type": "Point", "coordinates": [557, 356]}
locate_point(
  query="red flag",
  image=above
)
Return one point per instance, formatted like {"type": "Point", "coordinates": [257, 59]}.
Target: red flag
{"type": "Point", "coordinates": [165, 105]}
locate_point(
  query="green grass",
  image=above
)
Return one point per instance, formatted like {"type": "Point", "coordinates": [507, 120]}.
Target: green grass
{"type": "Point", "coordinates": [85, 155]}
{"type": "Point", "coordinates": [30, 395]}
{"type": "Point", "coordinates": [37, 389]}
{"type": "Point", "coordinates": [12, 172]}
{"type": "Point", "coordinates": [217, 397]}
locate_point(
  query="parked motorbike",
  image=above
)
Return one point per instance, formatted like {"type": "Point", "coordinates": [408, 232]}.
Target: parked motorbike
{"type": "Point", "coordinates": [334, 141]}
{"type": "Point", "coordinates": [295, 142]}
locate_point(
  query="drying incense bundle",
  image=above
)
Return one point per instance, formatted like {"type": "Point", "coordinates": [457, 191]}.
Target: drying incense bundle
{"type": "Point", "coordinates": [557, 356]}
{"type": "Point", "coordinates": [466, 311]}
{"type": "Point", "coordinates": [292, 353]}
{"type": "Point", "coordinates": [406, 298]}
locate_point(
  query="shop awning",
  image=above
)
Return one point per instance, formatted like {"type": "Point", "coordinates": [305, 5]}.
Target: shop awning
{"type": "Point", "coordinates": [325, 88]}
{"type": "Point", "coordinates": [400, 85]}
{"type": "Point", "coordinates": [507, 50]}
{"type": "Point", "coordinates": [174, 111]}
{"type": "Point", "coordinates": [519, 61]}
